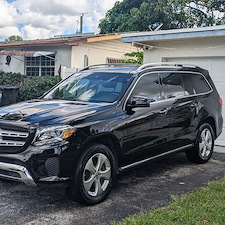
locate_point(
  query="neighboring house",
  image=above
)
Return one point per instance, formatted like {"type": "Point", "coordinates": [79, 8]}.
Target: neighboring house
{"type": "Point", "coordinates": [61, 55]}
{"type": "Point", "coordinates": [203, 46]}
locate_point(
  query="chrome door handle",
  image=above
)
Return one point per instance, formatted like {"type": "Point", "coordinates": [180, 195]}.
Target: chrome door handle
{"type": "Point", "coordinates": [163, 111]}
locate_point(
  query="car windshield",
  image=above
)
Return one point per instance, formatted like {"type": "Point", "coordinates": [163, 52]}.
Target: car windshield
{"type": "Point", "coordinates": [91, 87]}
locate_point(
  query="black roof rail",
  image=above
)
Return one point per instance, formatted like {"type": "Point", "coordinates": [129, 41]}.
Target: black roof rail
{"type": "Point", "coordinates": [109, 65]}
{"type": "Point", "coordinates": [145, 66]}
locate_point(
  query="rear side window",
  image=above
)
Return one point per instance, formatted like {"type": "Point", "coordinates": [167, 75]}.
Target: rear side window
{"type": "Point", "coordinates": [199, 84]}
{"type": "Point", "coordinates": [195, 84]}
{"type": "Point", "coordinates": [172, 85]}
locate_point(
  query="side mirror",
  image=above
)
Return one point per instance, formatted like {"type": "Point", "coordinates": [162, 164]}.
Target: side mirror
{"type": "Point", "coordinates": [138, 101]}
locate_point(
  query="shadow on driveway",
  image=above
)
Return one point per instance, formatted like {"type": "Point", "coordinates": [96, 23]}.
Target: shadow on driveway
{"type": "Point", "coordinates": [140, 189]}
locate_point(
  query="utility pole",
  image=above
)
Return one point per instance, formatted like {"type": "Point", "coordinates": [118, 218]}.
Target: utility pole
{"type": "Point", "coordinates": [81, 23]}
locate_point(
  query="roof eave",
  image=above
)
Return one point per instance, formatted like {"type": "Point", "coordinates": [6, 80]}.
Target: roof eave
{"type": "Point", "coordinates": [47, 42]}
{"type": "Point", "coordinates": [179, 34]}
{"type": "Point", "coordinates": [31, 44]}
{"type": "Point", "coordinates": [73, 41]}
{"type": "Point", "coordinates": [108, 37]}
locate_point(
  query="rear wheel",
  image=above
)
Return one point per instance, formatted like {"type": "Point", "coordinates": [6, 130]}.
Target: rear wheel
{"type": "Point", "coordinates": [93, 176]}
{"type": "Point", "coordinates": [204, 145]}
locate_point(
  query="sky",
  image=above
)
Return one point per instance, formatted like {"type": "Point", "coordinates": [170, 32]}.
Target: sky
{"type": "Point", "coordinates": [40, 19]}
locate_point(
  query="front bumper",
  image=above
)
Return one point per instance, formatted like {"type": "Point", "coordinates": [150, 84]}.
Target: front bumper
{"type": "Point", "coordinates": [17, 173]}
{"type": "Point", "coordinates": [52, 164]}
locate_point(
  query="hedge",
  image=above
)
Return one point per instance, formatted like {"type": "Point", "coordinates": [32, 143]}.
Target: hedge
{"type": "Point", "coordinates": [29, 87]}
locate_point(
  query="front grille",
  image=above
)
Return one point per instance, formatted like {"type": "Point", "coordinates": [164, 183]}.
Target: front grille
{"type": "Point", "coordinates": [14, 139]}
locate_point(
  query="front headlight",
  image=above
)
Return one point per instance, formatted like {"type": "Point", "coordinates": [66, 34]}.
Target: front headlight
{"type": "Point", "coordinates": [53, 134]}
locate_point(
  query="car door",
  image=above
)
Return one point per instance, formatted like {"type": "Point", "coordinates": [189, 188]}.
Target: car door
{"type": "Point", "coordinates": [182, 110]}
{"type": "Point", "coordinates": [146, 128]}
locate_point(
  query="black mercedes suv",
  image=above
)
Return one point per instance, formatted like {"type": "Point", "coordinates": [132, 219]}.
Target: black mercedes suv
{"type": "Point", "coordinates": [106, 119]}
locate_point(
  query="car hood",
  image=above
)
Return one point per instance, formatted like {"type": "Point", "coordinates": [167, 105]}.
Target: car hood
{"type": "Point", "coordinates": [50, 112]}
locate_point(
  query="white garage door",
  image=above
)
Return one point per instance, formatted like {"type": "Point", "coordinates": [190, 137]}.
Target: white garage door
{"type": "Point", "coordinates": [216, 67]}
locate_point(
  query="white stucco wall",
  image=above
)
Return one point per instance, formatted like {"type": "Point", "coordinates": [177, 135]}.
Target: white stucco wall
{"type": "Point", "coordinates": [63, 57]}
{"type": "Point", "coordinates": [204, 47]}
{"type": "Point", "coordinates": [98, 52]}
{"type": "Point", "coordinates": [16, 65]}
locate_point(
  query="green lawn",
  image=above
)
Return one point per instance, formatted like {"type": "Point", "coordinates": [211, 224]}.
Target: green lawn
{"type": "Point", "coordinates": [205, 206]}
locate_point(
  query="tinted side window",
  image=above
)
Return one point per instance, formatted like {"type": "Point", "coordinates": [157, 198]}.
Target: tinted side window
{"type": "Point", "coordinates": [172, 85]}
{"type": "Point", "coordinates": [199, 84]}
{"type": "Point", "coordinates": [188, 87]}
{"type": "Point", "coordinates": [148, 86]}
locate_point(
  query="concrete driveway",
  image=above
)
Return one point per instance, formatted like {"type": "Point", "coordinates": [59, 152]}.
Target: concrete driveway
{"type": "Point", "coordinates": [140, 189]}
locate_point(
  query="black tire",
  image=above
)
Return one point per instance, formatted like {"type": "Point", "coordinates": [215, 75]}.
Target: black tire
{"type": "Point", "coordinates": [204, 145]}
{"type": "Point", "coordinates": [93, 175]}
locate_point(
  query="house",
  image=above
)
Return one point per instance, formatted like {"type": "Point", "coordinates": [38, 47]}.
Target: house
{"type": "Point", "coordinates": [62, 54]}
{"type": "Point", "coordinates": [204, 46]}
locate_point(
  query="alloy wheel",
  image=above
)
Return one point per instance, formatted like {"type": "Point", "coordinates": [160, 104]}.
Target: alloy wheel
{"type": "Point", "coordinates": [205, 143]}
{"type": "Point", "coordinates": [96, 175]}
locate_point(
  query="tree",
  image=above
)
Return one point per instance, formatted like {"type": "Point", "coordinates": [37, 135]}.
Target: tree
{"type": "Point", "coordinates": [14, 38]}
{"type": "Point", "coordinates": [134, 57]}
{"type": "Point", "coordinates": [133, 15]}
{"type": "Point", "coordinates": [142, 15]}
{"type": "Point", "coordinates": [199, 12]}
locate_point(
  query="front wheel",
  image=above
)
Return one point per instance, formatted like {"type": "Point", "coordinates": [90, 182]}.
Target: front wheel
{"type": "Point", "coordinates": [203, 149]}
{"type": "Point", "coordinates": [93, 176]}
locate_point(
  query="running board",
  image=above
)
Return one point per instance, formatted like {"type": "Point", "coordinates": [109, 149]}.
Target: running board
{"type": "Point", "coordinates": [154, 157]}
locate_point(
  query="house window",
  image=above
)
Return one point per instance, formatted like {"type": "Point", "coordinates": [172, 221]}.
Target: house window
{"type": "Point", "coordinates": [40, 66]}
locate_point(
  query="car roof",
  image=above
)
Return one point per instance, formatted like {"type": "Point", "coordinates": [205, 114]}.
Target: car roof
{"type": "Point", "coordinates": [140, 69]}
{"type": "Point", "coordinates": [130, 70]}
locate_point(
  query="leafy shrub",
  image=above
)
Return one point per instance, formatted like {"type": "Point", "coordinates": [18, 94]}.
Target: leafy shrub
{"type": "Point", "coordinates": [29, 87]}
{"type": "Point", "coordinates": [134, 57]}
{"type": "Point", "coordinates": [11, 79]}
{"type": "Point", "coordinates": [34, 87]}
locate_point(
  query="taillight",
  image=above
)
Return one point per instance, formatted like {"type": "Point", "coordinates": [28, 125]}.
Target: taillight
{"type": "Point", "coordinates": [220, 102]}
